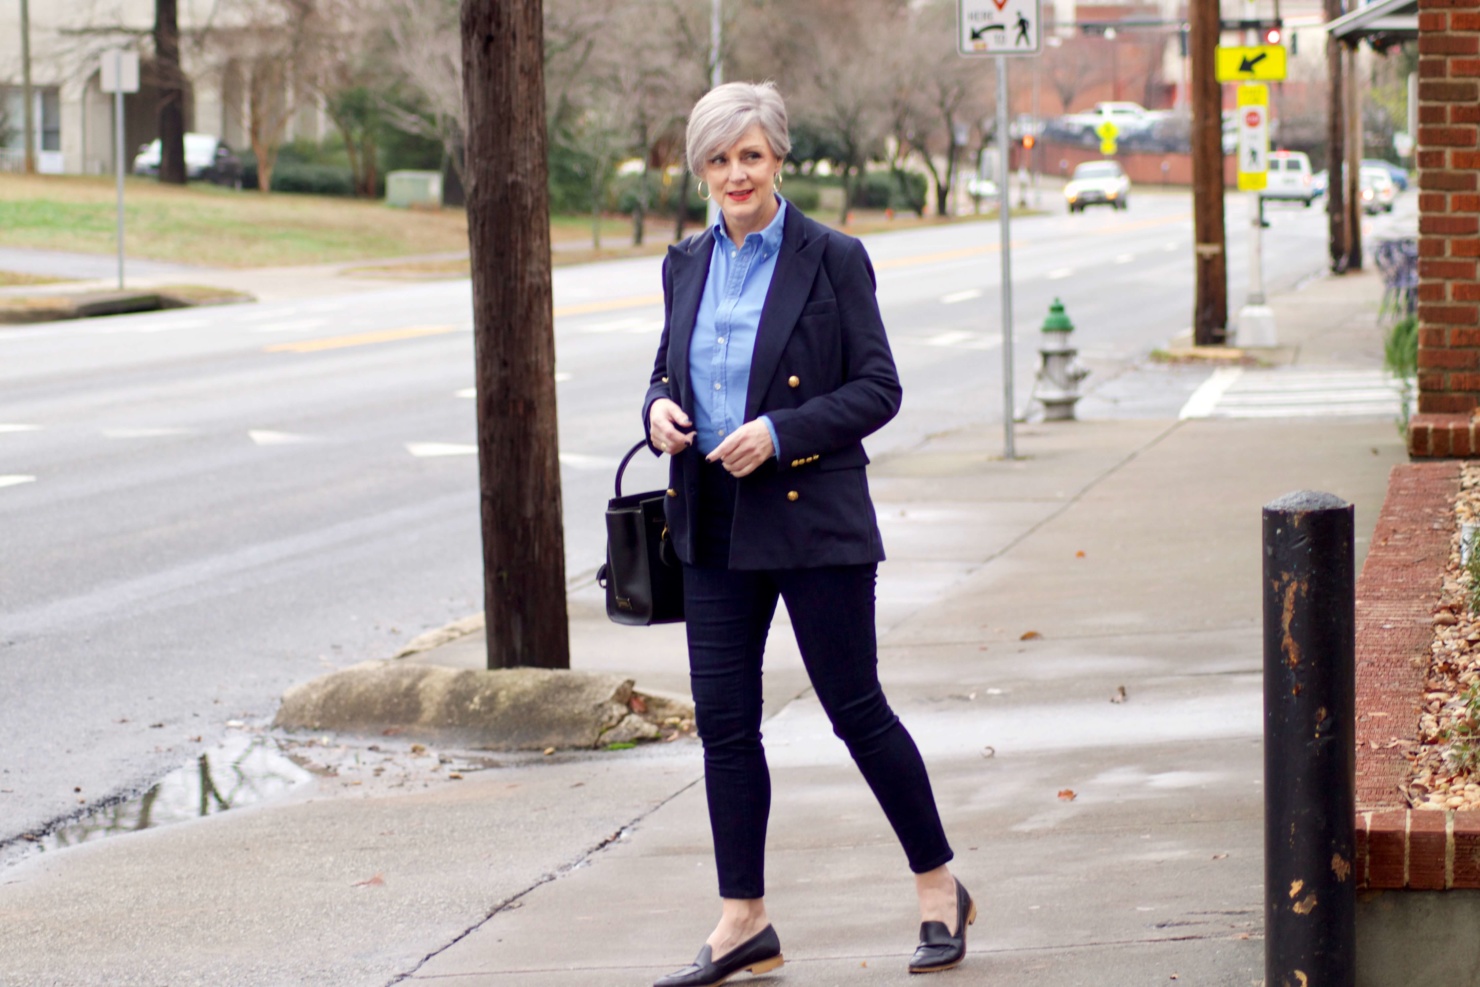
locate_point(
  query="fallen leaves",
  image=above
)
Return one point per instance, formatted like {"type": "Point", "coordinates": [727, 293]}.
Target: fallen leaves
{"type": "Point", "coordinates": [1079, 554]}
{"type": "Point", "coordinates": [374, 882]}
{"type": "Point", "coordinates": [1119, 696]}
{"type": "Point", "coordinates": [1030, 636]}
{"type": "Point", "coordinates": [1067, 794]}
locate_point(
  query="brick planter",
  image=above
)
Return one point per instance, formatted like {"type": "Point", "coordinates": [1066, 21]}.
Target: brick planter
{"type": "Point", "coordinates": [1418, 871]}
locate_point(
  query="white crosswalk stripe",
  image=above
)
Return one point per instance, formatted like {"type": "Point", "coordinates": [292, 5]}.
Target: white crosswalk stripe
{"type": "Point", "coordinates": [1238, 392]}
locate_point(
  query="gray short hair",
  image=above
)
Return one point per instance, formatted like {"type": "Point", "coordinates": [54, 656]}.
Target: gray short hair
{"type": "Point", "coordinates": [726, 112]}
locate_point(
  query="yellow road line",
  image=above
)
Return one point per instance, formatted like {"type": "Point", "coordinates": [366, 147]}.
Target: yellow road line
{"type": "Point", "coordinates": [642, 301]}
{"type": "Point", "coordinates": [359, 339]}
{"type": "Point", "coordinates": [586, 308]}
{"type": "Point", "coordinates": [937, 258]}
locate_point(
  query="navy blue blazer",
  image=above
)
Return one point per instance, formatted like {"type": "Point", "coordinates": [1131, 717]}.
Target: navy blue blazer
{"type": "Point", "coordinates": [822, 371]}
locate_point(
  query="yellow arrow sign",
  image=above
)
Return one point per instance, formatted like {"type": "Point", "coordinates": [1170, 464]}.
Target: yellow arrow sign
{"type": "Point", "coordinates": [1250, 63]}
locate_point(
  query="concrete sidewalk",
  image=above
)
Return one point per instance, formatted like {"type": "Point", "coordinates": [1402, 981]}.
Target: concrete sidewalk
{"type": "Point", "coordinates": [1107, 842]}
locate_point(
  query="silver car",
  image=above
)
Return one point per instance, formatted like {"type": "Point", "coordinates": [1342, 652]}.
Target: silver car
{"type": "Point", "coordinates": [1098, 183]}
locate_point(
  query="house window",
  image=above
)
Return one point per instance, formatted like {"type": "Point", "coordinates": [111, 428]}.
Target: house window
{"type": "Point", "coordinates": [46, 118]}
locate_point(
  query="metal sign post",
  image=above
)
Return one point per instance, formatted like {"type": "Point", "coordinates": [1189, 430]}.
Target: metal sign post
{"type": "Point", "coordinates": [119, 74]}
{"type": "Point", "coordinates": [1002, 28]}
{"type": "Point", "coordinates": [1255, 320]}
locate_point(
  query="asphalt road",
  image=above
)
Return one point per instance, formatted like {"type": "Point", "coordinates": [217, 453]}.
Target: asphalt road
{"type": "Point", "coordinates": [201, 508]}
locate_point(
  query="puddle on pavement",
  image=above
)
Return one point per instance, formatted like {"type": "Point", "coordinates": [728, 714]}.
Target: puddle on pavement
{"type": "Point", "coordinates": [242, 770]}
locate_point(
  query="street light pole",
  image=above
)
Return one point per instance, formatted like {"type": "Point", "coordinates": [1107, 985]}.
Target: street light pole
{"type": "Point", "coordinates": [1004, 212]}
{"type": "Point", "coordinates": [29, 111]}
{"type": "Point", "coordinates": [716, 76]}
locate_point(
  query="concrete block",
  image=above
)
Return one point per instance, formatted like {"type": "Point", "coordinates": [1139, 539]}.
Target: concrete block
{"type": "Point", "coordinates": [503, 709]}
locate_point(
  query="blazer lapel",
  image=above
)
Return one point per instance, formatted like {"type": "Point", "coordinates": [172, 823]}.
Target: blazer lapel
{"type": "Point", "coordinates": [791, 285]}
{"type": "Point", "coordinates": [690, 269]}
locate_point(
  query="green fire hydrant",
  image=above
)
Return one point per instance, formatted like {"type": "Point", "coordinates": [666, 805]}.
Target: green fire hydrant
{"type": "Point", "coordinates": [1057, 384]}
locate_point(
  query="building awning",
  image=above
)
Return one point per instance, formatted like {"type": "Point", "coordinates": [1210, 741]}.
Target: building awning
{"type": "Point", "coordinates": [1382, 23]}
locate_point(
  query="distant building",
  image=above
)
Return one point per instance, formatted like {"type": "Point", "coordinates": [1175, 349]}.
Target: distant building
{"type": "Point", "coordinates": [74, 117]}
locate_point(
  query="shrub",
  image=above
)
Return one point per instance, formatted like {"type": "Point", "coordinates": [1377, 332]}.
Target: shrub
{"type": "Point", "coordinates": [874, 191]}
{"type": "Point", "coordinates": [803, 194]}
{"type": "Point", "coordinates": [1400, 348]}
{"type": "Point", "coordinates": [898, 190]}
{"type": "Point", "coordinates": [293, 176]}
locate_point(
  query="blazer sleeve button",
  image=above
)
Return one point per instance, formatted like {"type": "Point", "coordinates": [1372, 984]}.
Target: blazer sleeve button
{"type": "Point", "coordinates": [793, 381]}
{"type": "Point", "coordinates": [665, 380]}
{"type": "Point", "coordinates": [792, 495]}
{"type": "Point", "coordinates": [672, 492]}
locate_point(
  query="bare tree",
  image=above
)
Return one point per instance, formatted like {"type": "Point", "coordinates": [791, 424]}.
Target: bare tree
{"type": "Point", "coordinates": [171, 88]}
{"type": "Point", "coordinates": [1072, 67]}
{"type": "Point", "coordinates": [844, 95]}
{"type": "Point", "coordinates": [425, 53]}
{"type": "Point", "coordinates": [513, 335]}
{"type": "Point", "coordinates": [350, 84]}
{"type": "Point", "coordinates": [943, 99]}
{"type": "Point", "coordinates": [280, 46]}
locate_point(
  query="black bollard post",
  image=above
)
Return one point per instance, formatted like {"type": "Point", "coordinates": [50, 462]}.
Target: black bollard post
{"type": "Point", "coordinates": [1309, 737]}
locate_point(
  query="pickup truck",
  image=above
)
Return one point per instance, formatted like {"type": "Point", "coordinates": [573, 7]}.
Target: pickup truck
{"type": "Point", "coordinates": [1129, 118]}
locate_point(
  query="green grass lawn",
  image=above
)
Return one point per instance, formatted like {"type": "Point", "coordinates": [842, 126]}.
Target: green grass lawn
{"type": "Point", "coordinates": [202, 224]}
{"type": "Point", "coordinates": [216, 227]}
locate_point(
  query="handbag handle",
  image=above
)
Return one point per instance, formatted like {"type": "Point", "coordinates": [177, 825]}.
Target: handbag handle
{"type": "Point", "coordinates": [627, 459]}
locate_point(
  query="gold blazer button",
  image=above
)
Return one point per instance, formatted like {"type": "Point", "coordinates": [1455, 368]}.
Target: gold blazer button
{"type": "Point", "coordinates": [794, 381]}
{"type": "Point", "coordinates": [793, 495]}
{"type": "Point", "coordinates": [665, 380]}
{"type": "Point", "coordinates": [672, 493]}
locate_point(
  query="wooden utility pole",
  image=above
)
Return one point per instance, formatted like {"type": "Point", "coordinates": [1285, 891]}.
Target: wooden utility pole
{"type": "Point", "coordinates": [1210, 308]}
{"type": "Point", "coordinates": [171, 92]}
{"type": "Point", "coordinates": [28, 98]}
{"type": "Point", "coordinates": [1335, 146]}
{"type": "Point", "coordinates": [1353, 163]}
{"type": "Point", "coordinates": [508, 204]}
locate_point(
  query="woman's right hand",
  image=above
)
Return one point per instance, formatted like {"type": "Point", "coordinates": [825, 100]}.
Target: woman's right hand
{"type": "Point", "coordinates": [665, 422]}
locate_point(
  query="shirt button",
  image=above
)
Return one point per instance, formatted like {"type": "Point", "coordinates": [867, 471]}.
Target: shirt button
{"type": "Point", "coordinates": [720, 340]}
{"type": "Point", "coordinates": [720, 433]}
{"type": "Point", "coordinates": [718, 386]}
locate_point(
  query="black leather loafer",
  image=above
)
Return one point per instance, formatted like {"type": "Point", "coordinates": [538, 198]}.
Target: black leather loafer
{"type": "Point", "coordinates": [761, 953]}
{"type": "Point", "coordinates": [940, 948]}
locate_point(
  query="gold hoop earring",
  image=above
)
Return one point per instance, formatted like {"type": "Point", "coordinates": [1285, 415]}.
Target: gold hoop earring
{"type": "Point", "coordinates": [701, 192]}
{"type": "Point", "coordinates": [776, 181]}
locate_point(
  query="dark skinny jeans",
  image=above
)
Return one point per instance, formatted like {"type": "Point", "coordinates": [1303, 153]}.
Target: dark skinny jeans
{"type": "Point", "coordinates": [728, 614]}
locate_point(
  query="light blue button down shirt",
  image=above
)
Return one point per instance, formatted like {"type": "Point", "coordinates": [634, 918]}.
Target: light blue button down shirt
{"type": "Point", "coordinates": [725, 330]}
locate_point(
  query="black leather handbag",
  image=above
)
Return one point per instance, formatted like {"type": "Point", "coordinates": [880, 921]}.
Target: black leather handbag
{"type": "Point", "coordinates": [642, 575]}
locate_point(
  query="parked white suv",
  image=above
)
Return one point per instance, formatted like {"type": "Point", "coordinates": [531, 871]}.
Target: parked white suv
{"type": "Point", "coordinates": [1290, 178]}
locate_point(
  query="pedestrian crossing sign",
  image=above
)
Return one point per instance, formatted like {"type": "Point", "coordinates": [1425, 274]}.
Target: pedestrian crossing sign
{"type": "Point", "coordinates": [999, 27]}
{"type": "Point", "coordinates": [1253, 136]}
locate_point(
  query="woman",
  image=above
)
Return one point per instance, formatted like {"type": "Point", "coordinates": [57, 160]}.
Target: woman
{"type": "Point", "coordinates": [772, 368]}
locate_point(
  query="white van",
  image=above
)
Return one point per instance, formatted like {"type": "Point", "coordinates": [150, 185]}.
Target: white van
{"type": "Point", "coordinates": [1290, 178]}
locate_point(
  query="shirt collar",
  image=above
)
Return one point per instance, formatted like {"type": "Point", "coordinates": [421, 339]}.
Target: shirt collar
{"type": "Point", "coordinates": [770, 236]}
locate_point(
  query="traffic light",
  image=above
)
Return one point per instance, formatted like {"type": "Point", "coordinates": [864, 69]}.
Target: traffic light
{"type": "Point", "coordinates": [1272, 35]}
{"type": "Point", "coordinates": [1028, 141]}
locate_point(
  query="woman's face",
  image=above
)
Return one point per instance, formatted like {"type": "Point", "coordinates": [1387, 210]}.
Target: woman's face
{"type": "Point", "coordinates": [741, 177]}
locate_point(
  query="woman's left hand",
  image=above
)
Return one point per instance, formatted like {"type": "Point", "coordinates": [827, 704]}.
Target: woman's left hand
{"type": "Point", "coordinates": [744, 449]}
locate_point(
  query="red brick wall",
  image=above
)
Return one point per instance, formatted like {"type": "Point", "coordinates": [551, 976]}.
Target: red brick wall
{"type": "Point", "coordinates": [1141, 168]}
{"type": "Point", "coordinates": [1449, 223]}
{"type": "Point", "coordinates": [1398, 847]}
